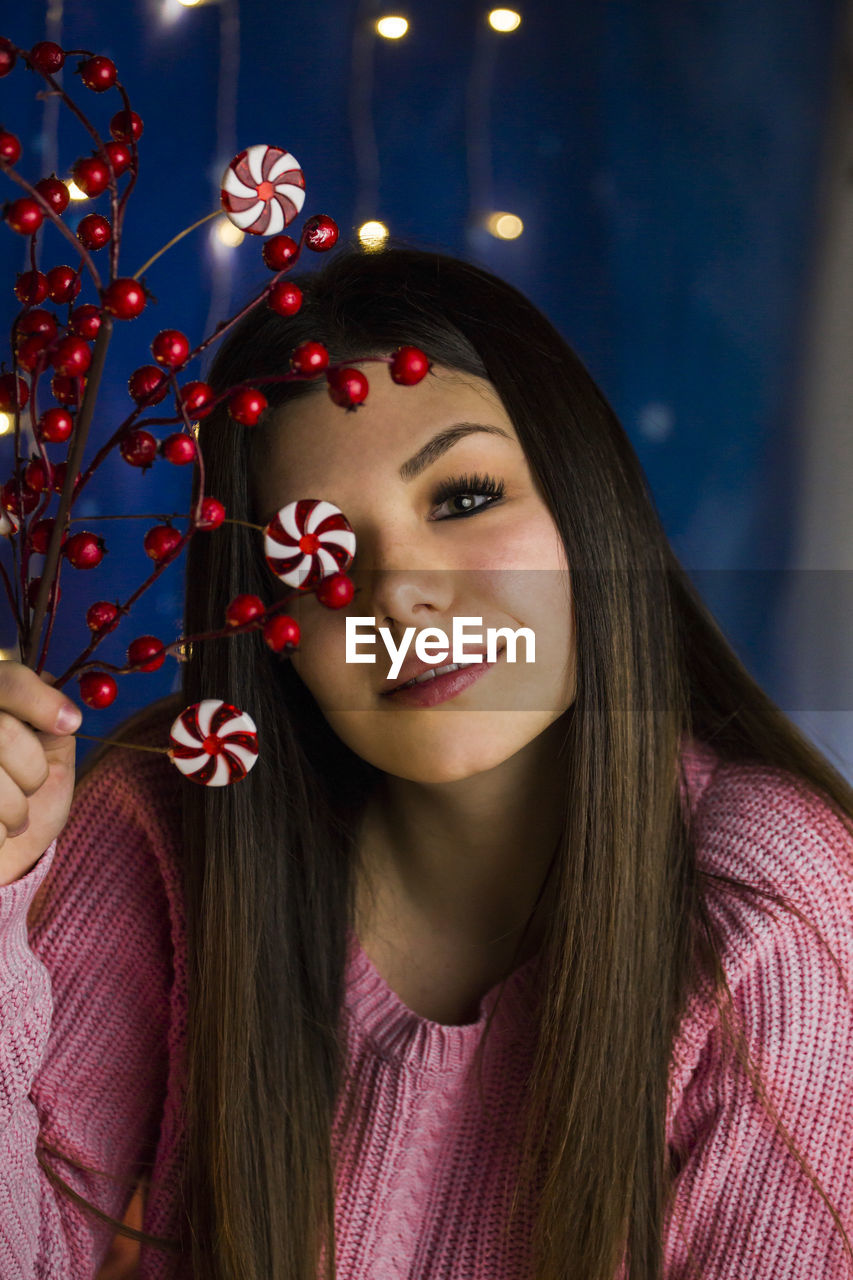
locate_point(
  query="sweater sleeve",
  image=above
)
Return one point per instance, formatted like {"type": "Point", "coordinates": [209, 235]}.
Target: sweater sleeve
{"type": "Point", "coordinates": [743, 1206]}
{"type": "Point", "coordinates": [83, 1028]}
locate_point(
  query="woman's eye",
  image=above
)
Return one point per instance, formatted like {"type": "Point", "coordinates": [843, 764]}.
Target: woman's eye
{"type": "Point", "coordinates": [468, 489]}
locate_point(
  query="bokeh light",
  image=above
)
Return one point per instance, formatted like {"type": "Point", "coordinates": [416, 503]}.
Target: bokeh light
{"type": "Point", "coordinates": [392, 27]}
{"type": "Point", "coordinates": [504, 226]}
{"type": "Point", "coordinates": [504, 19]}
{"type": "Point", "coordinates": [372, 235]}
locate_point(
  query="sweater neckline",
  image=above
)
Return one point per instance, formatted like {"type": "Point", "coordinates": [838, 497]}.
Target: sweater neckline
{"type": "Point", "coordinates": [416, 1042]}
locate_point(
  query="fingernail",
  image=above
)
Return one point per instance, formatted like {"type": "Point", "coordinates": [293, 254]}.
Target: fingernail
{"type": "Point", "coordinates": [68, 719]}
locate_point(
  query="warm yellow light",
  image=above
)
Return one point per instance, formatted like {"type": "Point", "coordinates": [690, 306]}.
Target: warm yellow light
{"type": "Point", "coordinates": [392, 27]}
{"type": "Point", "coordinates": [504, 19]}
{"type": "Point", "coordinates": [372, 235]}
{"type": "Point", "coordinates": [505, 226]}
{"type": "Point", "coordinates": [74, 191]}
{"type": "Point", "coordinates": [189, 4]}
{"type": "Point", "coordinates": [228, 234]}
{"type": "Point", "coordinates": [7, 424]}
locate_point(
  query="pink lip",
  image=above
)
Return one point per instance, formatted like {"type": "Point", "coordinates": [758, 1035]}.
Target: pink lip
{"type": "Point", "coordinates": [440, 688]}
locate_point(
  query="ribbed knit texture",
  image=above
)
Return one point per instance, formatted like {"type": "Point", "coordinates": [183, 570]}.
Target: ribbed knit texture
{"type": "Point", "coordinates": [93, 1019]}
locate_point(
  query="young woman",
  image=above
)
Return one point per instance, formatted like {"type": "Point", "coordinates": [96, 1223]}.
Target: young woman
{"type": "Point", "coordinates": [547, 979]}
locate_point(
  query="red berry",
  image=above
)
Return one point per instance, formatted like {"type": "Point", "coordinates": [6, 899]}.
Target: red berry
{"type": "Point", "coordinates": [178, 448]}
{"type": "Point", "coordinates": [285, 298]}
{"type": "Point", "coordinates": [408, 366]}
{"type": "Point", "coordinates": [47, 57]}
{"type": "Point", "coordinates": [244, 609]}
{"type": "Point", "coordinates": [54, 193]}
{"type": "Point", "coordinates": [144, 383]}
{"type": "Point", "coordinates": [281, 630]}
{"type": "Point", "coordinates": [118, 155]}
{"type": "Point", "coordinates": [7, 56]}
{"type": "Point", "coordinates": [336, 591]}
{"type": "Point", "coordinates": [60, 471]}
{"type": "Point", "coordinates": [22, 501]}
{"type": "Point", "coordinates": [160, 541]}
{"type": "Point", "coordinates": [55, 426]}
{"type": "Point", "coordinates": [72, 356]}
{"type": "Point", "coordinates": [170, 348]}
{"type": "Point", "coordinates": [347, 387]}
{"type": "Point", "coordinates": [139, 448]}
{"type": "Point", "coordinates": [14, 393]}
{"type": "Point", "coordinates": [85, 321]}
{"type": "Point", "coordinates": [37, 476]}
{"type": "Point", "coordinates": [92, 175]}
{"type": "Point", "coordinates": [320, 233]}
{"type": "Point", "coordinates": [28, 352]}
{"type": "Point", "coordinates": [94, 231]}
{"type": "Point", "coordinates": [101, 614]}
{"type": "Point", "coordinates": [279, 252]}
{"type": "Point", "coordinates": [126, 125]}
{"type": "Point", "coordinates": [31, 287]}
{"type": "Point", "coordinates": [98, 73]}
{"type": "Point", "coordinates": [10, 147]}
{"type": "Point", "coordinates": [146, 652]}
{"type": "Point", "coordinates": [196, 398]}
{"type": "Point", "coordinates": [125, 299]}
{"type": "Point", "coordinates": [33, 591]}
{"type": "Point", "coordinates": [25, 215]}
{"type": "Point", "coordinates": [97, 689]}
{"type": "Point", "coordinates": [40, 535]}
{"type": "Point", "coordinates": [38, 321]}
{"type": "Point", "coordinates": [63, 284]}
{"type": "Point", "coordinates": [309, 358]}
{"type": "Point", "coordinates": [246, 406]}
{"type": "Point", "coordinates": [84, 550]}
{"type": "Point", "coordinates": [67, 390]}
{"type": "Point", "coordinates": [212, 514]}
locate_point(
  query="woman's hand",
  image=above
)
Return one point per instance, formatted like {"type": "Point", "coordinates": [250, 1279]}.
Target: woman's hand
{"type": "Point", "coordinates": [36, 766]}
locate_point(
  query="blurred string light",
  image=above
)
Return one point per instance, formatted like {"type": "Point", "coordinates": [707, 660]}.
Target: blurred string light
{"type": "Point", "coordinates": [372, 235]}
{"type": "Point", "coordinates": [504, 20]}
{"type": "Point", "coordinates": [224, 236]}
{"type": "Point", "coordinates": [7, 424]}
{"type": "Point", "coordinates": [504, 226]}
{"type": "Point", "coordinates": [482, 215]}
{"type": "Point", "coordinates": [74, 191]}
{"type": "Point", "coordinates": [362, 129]}
{"type": "Point", "coordinates": [392, 26]}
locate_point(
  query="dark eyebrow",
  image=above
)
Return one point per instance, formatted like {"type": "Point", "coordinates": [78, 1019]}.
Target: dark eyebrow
{"type": "Point", "coordinates": [439, 444]}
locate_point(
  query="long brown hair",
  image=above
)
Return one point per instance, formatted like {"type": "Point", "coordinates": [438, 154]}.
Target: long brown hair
{"type": "Point", "coordinates": [270, 863]}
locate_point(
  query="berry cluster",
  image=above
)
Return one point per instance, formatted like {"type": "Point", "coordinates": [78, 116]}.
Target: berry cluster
{"type": "Point", "coordinates": [59, 342]}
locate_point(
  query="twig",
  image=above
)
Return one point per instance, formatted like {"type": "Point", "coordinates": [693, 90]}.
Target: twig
{"type": "Point", "coordinates": [81, 431]}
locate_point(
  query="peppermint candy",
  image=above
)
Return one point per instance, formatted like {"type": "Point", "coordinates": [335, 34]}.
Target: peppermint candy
{"type": "Point", "coordinates": [263, 189]}
{"type": "Point", "coordinates": [307, 541]}
{"type": "Point", "coordinates": [213, 743]}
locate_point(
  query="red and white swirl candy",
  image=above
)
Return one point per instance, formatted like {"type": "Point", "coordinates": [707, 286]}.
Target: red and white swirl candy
{"type": "Point", "coordinates": [307, 541]}
{"type": "Point", "coordinates": [213, 743]}
{"type": "Point", "coordinates": [263, 189]}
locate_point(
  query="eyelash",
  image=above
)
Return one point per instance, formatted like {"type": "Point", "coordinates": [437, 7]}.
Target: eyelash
{"type": "Point", "coordinates": [469, 486]}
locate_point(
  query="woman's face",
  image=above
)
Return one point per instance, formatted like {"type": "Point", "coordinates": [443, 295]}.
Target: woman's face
{"type": "Point", "coordinates": [420, 564]}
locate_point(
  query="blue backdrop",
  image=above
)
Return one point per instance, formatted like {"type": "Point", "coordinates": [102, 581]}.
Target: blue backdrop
{"type": "Point", "coordinates": [663, 158]}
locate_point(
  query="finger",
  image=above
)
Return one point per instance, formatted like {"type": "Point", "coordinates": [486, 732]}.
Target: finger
{"type": "Point", "coordinates": [14, 810]}
{"type": "Point", "coordinates": [21, 754]}
{"type": "Point", "coordinates": [31, 699]}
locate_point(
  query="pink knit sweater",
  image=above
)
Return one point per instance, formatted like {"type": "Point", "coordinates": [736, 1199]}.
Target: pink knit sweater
{"type": "Point", "coordinates": [92, 1020]}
